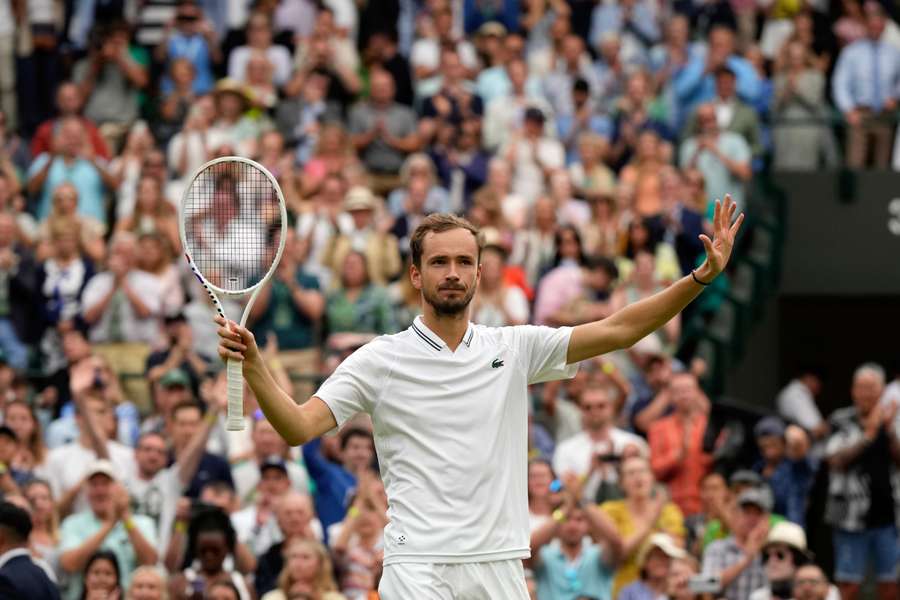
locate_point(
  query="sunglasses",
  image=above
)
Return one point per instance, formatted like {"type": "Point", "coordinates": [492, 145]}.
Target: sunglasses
{"type": "Point", "coordinates": [776, 554]}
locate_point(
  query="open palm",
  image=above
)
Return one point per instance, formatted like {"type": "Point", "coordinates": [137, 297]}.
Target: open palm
{"type": "Point", "coordinates": [718, 249]}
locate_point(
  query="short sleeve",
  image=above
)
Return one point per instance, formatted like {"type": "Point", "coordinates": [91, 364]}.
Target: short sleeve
{"type": "Point", "coordinates": [147, 528]}
{"type": "Point", "coordinates": [543, 351]}
{"type": "Point", "coordinates": [70, 534]}
{"type": "Point", "coordinates": [353, 387]}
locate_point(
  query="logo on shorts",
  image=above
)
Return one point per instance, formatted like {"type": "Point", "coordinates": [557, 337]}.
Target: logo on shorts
{"type": "Point", "coordinates": [497, 363]}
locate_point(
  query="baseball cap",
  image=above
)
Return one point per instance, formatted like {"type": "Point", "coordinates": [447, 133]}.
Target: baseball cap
{"type": "Point", "coordinates": [664, 542]}
{"type": "Point", "coordinates": [757, 496]}
{"type": "Point", "coordinates": [273, 462]}
{"type": "Point", "coordinates": [102, 467]}
{"type": "Point", "coordinates": [769, 426]}
{"type": "Point", "coordinates": [175, 377]}
{"type": "Point", "coordinates": [5, 430]}
{"type": "Point", "coordinates": [745, 476]}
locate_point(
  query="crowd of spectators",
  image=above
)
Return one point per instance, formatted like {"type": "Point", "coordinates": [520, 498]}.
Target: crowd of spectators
{"type": "Point", "coordinates": [586, 139]}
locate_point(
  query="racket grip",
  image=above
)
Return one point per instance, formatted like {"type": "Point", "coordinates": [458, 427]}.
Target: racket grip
{"type": "Point", "coordinates": [235, 411]}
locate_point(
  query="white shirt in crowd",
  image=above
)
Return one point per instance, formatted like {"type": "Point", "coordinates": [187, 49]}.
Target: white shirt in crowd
{"type": "Point", "coordinates": [120, 313]}
{"type": "Point", "coordinates": [796, 404]}
{"type": "Point", "coordinates": [259, 537]}
{"type": "Point", "coordinates": [451, 432]}
{"type": "Point", "coordinates": [574, 455]}
{"type": "Point", "coordinates": [67, 465]}
{"type": "Point", "coordinates": [246, 477]}
{"type": "Point", "coordinates": [156, 499]}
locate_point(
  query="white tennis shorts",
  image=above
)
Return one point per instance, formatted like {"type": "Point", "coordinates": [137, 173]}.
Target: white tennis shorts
{"type": "Point", "coordinates": [495, 580]}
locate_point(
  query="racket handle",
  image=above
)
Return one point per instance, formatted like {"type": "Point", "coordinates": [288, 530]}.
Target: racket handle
{"type": "Point", "coordinates": [235, 412]}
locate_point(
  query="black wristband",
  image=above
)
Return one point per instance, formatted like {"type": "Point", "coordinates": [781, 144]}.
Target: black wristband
{"type": "Point", "coordinates": [694, 275]}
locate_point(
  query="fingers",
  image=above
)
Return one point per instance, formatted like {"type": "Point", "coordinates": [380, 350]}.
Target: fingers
{"type": "Point", "coordinates": [707, 244]}
{"type": "Point", "coordinates": [737, 225]}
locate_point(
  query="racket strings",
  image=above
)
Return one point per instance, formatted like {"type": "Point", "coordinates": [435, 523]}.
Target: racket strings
{"type": "Point", "coordinates": [232, 224]}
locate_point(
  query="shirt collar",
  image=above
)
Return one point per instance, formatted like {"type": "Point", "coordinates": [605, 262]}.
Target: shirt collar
{"type": "Point", "coordinates": [428, 337]}
{"type": "Point", "coordinates": [14, 553]}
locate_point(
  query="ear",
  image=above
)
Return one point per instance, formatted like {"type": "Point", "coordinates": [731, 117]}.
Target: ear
{"type": "Point", "coordinates": [415, 276]}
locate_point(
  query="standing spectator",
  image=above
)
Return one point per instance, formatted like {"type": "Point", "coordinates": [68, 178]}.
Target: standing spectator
{"type": "Point", "coordinates": [454, 102]}
{"type": "Point", "coordinates": [187, 420]}
{"type": "Point", "coordinates": [676, 444]}
{"type": "Point", "coordinates": [534, 245]}
{"type": "Point", "coordinates": [191, 38]}
{"type": "Point", "coordinates": [259, 37]}
{"type": "Point", "coordinates": [572, 294]}
{"type": "Point", "coordinates": [638, 19]}
{"type": "Point", "coordinates": [463, 165]}
{"type": "Point", "coordinates": [796, 403]}
{"type": "Point", "coordinates": [785, 466]}
{"type": "Point", "coordinates": [256, 525]}
{"type": "Point", "coordinates": [655, 560]}
{"type": "Point", "coordinates": [17, 284]}
{"type": "Point", "coordinates": [800, 141]}
{"type": "Point", "coordinates": [107, 524]}
{"type": "Point", "coordinates": [266, 443]}
{"type": "Point", "coordinates": [593, 454]}
{"type": "Point", "coordinates": [722, 157]}
{"type": "Point", "coordinates": [69, 103]}
{"type": "Point", "coordinates": [20, 575]}
{"type": "Point", "coordinates": [533, 155]}
{"type": "Point", "coordinates": [863, 454]}
{"type": "Point", "coordinates": [572, 64]}
{"type": "Point", "coordinates": [110, 78]}
{"type": "Point", "coordinates": [152, 213]}
{"type": "Point", "coordinates": [645, 510]}
{"type": "Point", "coordinates": [425, 55]}
{"type": "Point", "coordinates": [736, 560]}
{"type": "Point", "coordinates": [865, 87]}
{"type": "Point", "coordinates": [71, 159]}
{"type": "Point", "coordinates": [504, 114]}
{"type": "Point", "coordinates": [366, 236]}
{"type": "Point", "coordinates": [383, 133]}
{"type": "Point", "coordinates": [44, 538]}
{"type": "Point", "coordinates": [419, 166]}
{"type": "Point", "coordinates": [358, 547]}
{"type": "Point", "coordinates": [732, 114]}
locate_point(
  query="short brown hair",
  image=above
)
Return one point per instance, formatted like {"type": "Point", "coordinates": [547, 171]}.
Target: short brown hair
{"type": "Point", "coordinates": [439, 223]}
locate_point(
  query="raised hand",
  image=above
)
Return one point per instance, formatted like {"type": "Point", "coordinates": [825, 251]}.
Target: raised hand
{"type": "Point", "coordinates": [718, 249]}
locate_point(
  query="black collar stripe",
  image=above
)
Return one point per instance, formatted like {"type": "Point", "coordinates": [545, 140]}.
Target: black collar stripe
{"type": "Point", "coordinates": [427, 339]}
{"type": "Point", "coordinates": [471, 333]}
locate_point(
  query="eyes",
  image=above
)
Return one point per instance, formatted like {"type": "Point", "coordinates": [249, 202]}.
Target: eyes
{"type": "Point", "coordinates": [443, 260]}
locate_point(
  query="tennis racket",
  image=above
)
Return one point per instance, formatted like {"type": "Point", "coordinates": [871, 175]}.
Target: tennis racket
{"type": "Point", "coordinates": [233, 224]}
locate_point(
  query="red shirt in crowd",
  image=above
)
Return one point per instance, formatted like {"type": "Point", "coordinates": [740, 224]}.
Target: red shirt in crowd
{"type": "Point", "coordinates": [682, 473]}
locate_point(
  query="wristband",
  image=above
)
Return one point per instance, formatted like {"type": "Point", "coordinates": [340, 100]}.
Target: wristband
{"type": "Point", "coordinates": [180, 526]}
{"type": "Point", "coordinates": [128, 523]}
{"type": "Point", "coordinates": [352, 512]}
{"type": "Point", "coordinates": [559, 516]}
{"type": "Point", "coordinates": [211, 417]}
{"type": "Point", "coordinates": [703, 283]}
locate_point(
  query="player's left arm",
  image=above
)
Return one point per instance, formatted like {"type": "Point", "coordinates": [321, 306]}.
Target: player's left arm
{"type": "Point", "coordinates": [630, 324]}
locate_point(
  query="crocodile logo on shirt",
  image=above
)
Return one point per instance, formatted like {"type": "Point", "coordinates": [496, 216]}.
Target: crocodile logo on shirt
{"type": "Point", "coordinates": [497, 363]}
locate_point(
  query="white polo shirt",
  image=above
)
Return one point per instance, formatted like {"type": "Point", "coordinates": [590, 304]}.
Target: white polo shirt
{"type": "Point", "coordinates": [451, 431]}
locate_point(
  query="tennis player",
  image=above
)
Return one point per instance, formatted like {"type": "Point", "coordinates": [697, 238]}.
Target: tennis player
{"type": "Point", "coordinates": [448, 404]}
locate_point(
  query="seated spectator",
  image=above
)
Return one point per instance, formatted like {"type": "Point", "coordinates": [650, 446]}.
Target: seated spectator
{"type": "Point", "coordinates": [680, 573]}
{"type": "Point", "coordinates": [497, 195]}
{"type": "Point", "coordinates": [540, 492]}
{"type": "Point", "coordinates": [504, 114]}
{"type": "Point", "coordinates": [592, 179]}
{"type": "Point", "coordinates": [358, 547]}
{"type": "Point", "coordinates": [152, 214]}
{"type": "Point", "coordinates": [645, 510]}
{"type": "Point", "coordinates": [736, 560]}
{"type": "Point", "coordinates": [801, 142]}
{"type": "Point", "coordinates": [425, 55]}
{"type": "Point", "coordinates": [534, 245]}
{"type": "Point", "coordinates": [419, 166]}
{"type": "Point", "coordinates": [569, 209]}
{"type": "Point", "coordinates": [211, 539]}
{"type": "Point", "coordinates": [573, 63]}
{"type": "Point", "coordinates": [259, 38]}
{"type": "Point", "coordinates": [236, 127]}
{"type": "Point", "coordinates": [716, 508]}
{"type": "Point", "coordinates": [810, 583]}
{"type": "Point", "coordinates": [107, 524]}
{"type": "Point", "coordinates": [358, 305]}
{"type": "Point", "coordinates": [367, 236]}
{"type": "Point", "coordinates": [256, 525]}
{"type": "Point", "coordinates": [307, 571]}
{"type": "Point", "coordinates": [101, 576]}
{"type": "Point", "coordinates": [574, 294]}
{"type": "Point", "coordinates": [382, 49]}
{"type": "Point", "coordinates": [296, 519]}
{"type": "Point", "coordinates": [533, 156]}
{"type": "Point", "coordinates": [266, 443]}
{"type": "Point", "coordinates": [644, 174]}
{"type": "Point", "coordinates": [71, 159]}
{"type": "Point", "coordinates": [721, 156]}
{"type": "Point", "coordinates": [111, 78]}
{"type": "Point", "coordinates": [563, 557]}
{"type": "Point", "coordinates": [63, 215]}
{"type": "Point", "coordinates": [610, 70]}
{"type": "Point", "coordinates": [127, 167]}
{"type": "Point", "coordinates": [187, 419]}
{"type": "Point", "coordinates": [18, 275]}
{"type": "Point", "coordinates": [69, 103]}
{"type": "Point", "coordinates": [676, 444]}
{"type": "Point", "coordinates": [147, 583]}
{"type": "Point", "coordinates": [31, 453]}
{"type": "Point", "coordinates": [731, 113]}
{"type": "Point", "coordinates": [258, 79]}
{"type": "Point", "coordinates": [638, 20]}
{"type": "Point", "coordinates": [593, 454]}
{"type": "Point", "coordinates": [331, 154]}
{"type": "Point", "coordinates": [655, 560]}
{"type": "Point", "coordinates": [335, 479]}
{"type": "Point", "coordinates": [191, 146]}
{"type": "Point", "coordinates": [176, 104]}
{"type": "Point", "coordinates": [864, 89]}
{"type": "Point", "coordinates": [156, 258]}
{"type": "Point", "coordinates": [785, 551]}
{"type": "Point", "coordinates": [862, 454]}
{"type": "Point", "coordinates": [695, 83]}
{"type": "Point", "coordinates": [462, 165]}
{"type": "Point", "coordinates": [191, 38]}
{"type": "Point", "coordinates": [383, 133]}
{"type": "Point", "coordinates": [642, 283]}
{"type": "Point", "coordinates": [785, 466]}
{"type": "Point", "coordinates": [496, 302]}
{"type": "Point", "coordinates": [21, 575]}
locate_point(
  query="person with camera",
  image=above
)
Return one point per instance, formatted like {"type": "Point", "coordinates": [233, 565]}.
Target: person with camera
{"type": "Point", "coordinates": [594, 453]}
{"type": "Point", "coordinates": [192, 37]}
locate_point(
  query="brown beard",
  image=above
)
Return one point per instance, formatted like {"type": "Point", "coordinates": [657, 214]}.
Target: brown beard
{"type": "Point", "coordinates": [448, 308]}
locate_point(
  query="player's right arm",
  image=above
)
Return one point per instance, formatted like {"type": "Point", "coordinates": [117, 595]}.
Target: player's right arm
{"type": "Point", "coordinates": [297, 424]}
